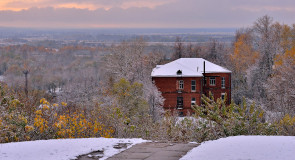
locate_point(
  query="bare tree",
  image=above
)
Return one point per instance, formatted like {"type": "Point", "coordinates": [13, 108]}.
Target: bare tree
{"type": "Point", "coordinates": [281, 89]}
{"type": "Point", "coordinates": [266, 44]}
{"type": "Point", "coordinates": [178, 49]}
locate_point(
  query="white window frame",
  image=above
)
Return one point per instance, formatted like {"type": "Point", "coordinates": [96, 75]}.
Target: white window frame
{"type": "Point", "coordinates": [179, 106]}
{"type": "Point", "coordinates": [212, 81]}
{"type": "Point", "coordinates": [223, 82]}
{"type": "Point", "coordinates": [181, 84]}
{"type": "Point", "coordinates": [193, 101]}
{"type": "Point", "coordinates": [222, 94]}
{"type": "Point", "coordinates": [195, 85]}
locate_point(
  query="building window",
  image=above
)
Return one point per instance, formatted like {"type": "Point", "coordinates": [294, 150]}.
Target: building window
{"type": "Point", "coordinates": [180, 84]}
{"type": "Point", "coordinates": [193, 102]}
{"type": "Point", "coordinates": [180, 114]}
{"type": "Point", "coordinates": [193, 86]}
{"type": "Point", "coordinates": [222, 96]}
{"type": "Point", "coordinates": [222, 82]}
{"type": "Point", "coordinates": [179, 72]}
{"type": "Point", "coordinates": [212, 81]}
{"type": "Point", "coordinates": [179, 102]}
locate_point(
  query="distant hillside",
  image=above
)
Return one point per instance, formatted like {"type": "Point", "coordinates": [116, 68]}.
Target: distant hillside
{"type": "Point", "coordinates": [9, 36]}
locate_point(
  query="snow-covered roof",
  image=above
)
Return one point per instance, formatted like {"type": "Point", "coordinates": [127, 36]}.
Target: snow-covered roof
{"type": "Point", "coordinates": [190, 67]}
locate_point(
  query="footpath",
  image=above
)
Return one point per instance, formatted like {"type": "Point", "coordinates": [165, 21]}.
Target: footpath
{"type": "Point", "coordinates": [155, 151]}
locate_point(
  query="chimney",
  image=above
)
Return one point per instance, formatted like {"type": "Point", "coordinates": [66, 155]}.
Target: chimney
{"type": "Point", "coordinates": [204, 68]}
{"type": "Point", "coordinates": [204, 74]}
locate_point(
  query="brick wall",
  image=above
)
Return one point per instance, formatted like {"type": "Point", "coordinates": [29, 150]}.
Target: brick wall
{"type": "Point", "coordinates": [169, 88]}
{"type": "Point", "coordinates": [217, 90]}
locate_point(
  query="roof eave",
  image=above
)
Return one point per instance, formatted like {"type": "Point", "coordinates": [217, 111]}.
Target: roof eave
{"type": "Point", "coordinates": [174, 76]}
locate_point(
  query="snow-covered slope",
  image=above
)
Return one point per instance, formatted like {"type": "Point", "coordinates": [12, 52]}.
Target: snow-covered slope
{"type": "Point", "coordinates": [245, 148]}
{"type": "Point", "coordinates": [61, 149]}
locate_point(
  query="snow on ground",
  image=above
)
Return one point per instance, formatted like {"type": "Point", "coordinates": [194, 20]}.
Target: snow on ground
{"type": "Point", "coordinates": [61, 149]}
{"type": "Point", "coordinates": [2, 78]}
{"type": "Point", "coordinates": [245, 148]}
{"type": "Point", "coordinates": [179, 120]}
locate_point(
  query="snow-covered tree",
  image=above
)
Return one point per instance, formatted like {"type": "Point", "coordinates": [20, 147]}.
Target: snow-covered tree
{"type": "Point", "coordinates": [129, 61]}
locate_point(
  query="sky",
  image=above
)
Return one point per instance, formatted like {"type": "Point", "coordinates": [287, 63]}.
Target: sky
{"type": "Point", "coordinates": [142, 13]}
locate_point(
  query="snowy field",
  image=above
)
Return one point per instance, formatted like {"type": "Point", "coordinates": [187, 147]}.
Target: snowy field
{"type": "Point", "coordinates": [62, 149]}
{"type": "Point", "coordinates": [245, 148]}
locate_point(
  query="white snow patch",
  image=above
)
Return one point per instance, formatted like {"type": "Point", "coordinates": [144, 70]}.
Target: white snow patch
{"type": "Point", "coordinates": [2, 78]}
{"type": "Point", "coordinates": [62, 149]}
{"type": "Point", "coordinates": [245, 148]}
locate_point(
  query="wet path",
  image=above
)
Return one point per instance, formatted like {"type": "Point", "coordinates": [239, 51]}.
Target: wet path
{"type": "Point", "coordinates": [155, 151]}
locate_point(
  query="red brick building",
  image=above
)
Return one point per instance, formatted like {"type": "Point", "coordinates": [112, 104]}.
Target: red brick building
{"type": "Point", "coordinates": [183, 81]}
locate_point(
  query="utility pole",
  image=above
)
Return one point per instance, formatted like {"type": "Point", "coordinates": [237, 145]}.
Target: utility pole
{"type": "Point", "coordinates": [26, 72]}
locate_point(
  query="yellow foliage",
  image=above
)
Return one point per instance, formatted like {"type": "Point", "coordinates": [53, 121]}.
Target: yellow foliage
{"type": "Point", "coordinates": [288, 120]}
{"type": "Point", "coordinates": [15, 102]}
{"type": "Point", "coordinates": [0, 123]}
{"type": "Point", "coordinates": [288, 56]}
{"type": "Point", "coordinates": [45, 107]}
{"type": "Point", "coordinates": [40, 122]}
{"type": "Point", "coordinates": [42, 100]}
{"type": "Point", "coordinates": [48, 123]}
{"type": "Point", "coordinates": [77, 126]}
{"type": "Point", "coordinates": [244, 55]}
{"type": "Point", "coordinates": [285, 38]}
{"type": "Point", "coordinates": [21, 118]}
{"type": "Point", "coordinates": [29, 128]}
{"type": "Point", "coordinates": [261, 114]}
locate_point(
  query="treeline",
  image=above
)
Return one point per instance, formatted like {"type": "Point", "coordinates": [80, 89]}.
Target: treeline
{"type": "Point", "coordinates": [61, 72]}
{"type": "Point", "coordinates": [127, 114]}
{"type": "Point", "coordinates": [261, 59]}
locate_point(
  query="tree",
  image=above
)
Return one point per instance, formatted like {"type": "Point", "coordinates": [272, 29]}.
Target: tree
{"type": "Point", "coordinates": [223, 120]}
{"type": "Point", "coordinates": [281, 86]}
{"type": "Point", "coordinates": [178, 49]}
{"type": "Point", "coordinates": [129, 62]}
{"type": "Point", "coordinates": [285, 38]}
{"type": "Point", "coordinates": [130, 97]}
{"type": "Point", "coordinates": [242, 59]}
{"type": "Point", "coordinates": [215, 52]}
{"type": "Point", "coordinates": [244, 54]}
{"type": "Point", "coordinates": [266, 43]}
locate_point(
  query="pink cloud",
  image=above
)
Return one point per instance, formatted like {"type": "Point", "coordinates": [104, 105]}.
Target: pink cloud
{"type": "Point", "coordinates": [90, 4]}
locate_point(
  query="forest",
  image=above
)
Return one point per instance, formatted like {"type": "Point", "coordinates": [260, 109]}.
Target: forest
{"type": "Point", "coordinates": [49, 90]}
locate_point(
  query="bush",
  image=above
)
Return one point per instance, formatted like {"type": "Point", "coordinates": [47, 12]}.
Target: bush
{"type": "Point", "coordinates": [230, 120]}
{"type": "Point", "coordinates": [48, 121]}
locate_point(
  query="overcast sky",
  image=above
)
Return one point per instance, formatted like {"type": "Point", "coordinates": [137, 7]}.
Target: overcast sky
{"type": "Point", "coordinates": [142, 13]}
